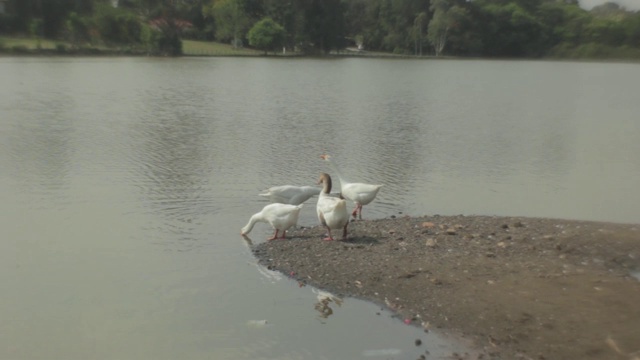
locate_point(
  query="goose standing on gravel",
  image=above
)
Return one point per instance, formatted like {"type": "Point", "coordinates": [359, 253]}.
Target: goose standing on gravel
{"type": "Point", "coordinates": [332, 211]}
{"type": "Point", "coordinates": [279, 216]}
{"type": "Point", "coordinates": [290, 194]}
{"type": "Point", "coordinates": [360, 193]}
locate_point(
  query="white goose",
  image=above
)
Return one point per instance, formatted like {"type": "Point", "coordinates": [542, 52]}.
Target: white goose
{"type": "Point", "coordinates": [332, 211]}
{"type": "Point", "coordinates": [279, 216]}
{"type": "Point", "coordinates": [359, 193]}
{"type": "Point", "coordinates": [290, 194]}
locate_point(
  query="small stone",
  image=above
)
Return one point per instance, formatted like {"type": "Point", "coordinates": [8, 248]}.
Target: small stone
{"type": "Point", "coordinates": [428, 224]}
{"type": "Point", "coordinates": [418, 342]}
{"type": "Point", "coordinates": [451, 231]}
{"type": "Point", "coordinates": [431, 242]}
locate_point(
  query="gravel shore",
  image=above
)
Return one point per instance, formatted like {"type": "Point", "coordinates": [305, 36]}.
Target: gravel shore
{"type": "Point", "coordinates": [518, 288]}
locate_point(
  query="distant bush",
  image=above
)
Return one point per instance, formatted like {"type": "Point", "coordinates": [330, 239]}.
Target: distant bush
{"type": "Point", "coordinates": [401, 51]}
{"type": "Point", "coordinates": [625, 52]}
{"type": "Point", "coordinates": [88, 50]}
{"type": "Point", "coordinates": [591, 50]}
{"type": "Point", "coordinates": [61, 48]}
{"type": "Point", "coordinates": [169, 45]}
{"type": "Point", "coordinates": [594, 51]}
{"type": "Point", "coordinates": [20, 49]}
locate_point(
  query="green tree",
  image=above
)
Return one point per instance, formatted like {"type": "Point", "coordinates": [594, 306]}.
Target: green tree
{"type": "Point", "coordinates": [231, 20]}
{"type": "Point", "coordinates": [445, 17]}
{"type": "Point", "coordinates": [35, 30]}
{"type": "Point", "coordinates": [78, 28]}
{"type": "Point", "coordinates": [552, 18]}
{"type": "Point", "coordinates": [509, 30]}
{"type": "Point", "coordinates": [574, 25]}
{"type": "Point", "coordinates": [266, 35]}
{"type": "Point", "coordinates": [606, 31]}
{"type": "Point", "coordinates": [632, 30]}
{"type": "Point", "coordinates": [389, 25]}
{"type": "Point", "coordinates": [324, 25]}
{"type": "Point", "coordinates": [288, 14]}
{"type": "Point", "coordinates": [117, 26]}
{"type": "Point", "coordinates": [418, 27]}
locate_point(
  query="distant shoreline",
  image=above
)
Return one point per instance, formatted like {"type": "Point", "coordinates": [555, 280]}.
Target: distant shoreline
{"type": "Point", "coordinates": [95, 52]}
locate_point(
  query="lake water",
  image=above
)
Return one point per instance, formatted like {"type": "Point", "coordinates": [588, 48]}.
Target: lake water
{"type": "Point", "coordinates": [124, 183]}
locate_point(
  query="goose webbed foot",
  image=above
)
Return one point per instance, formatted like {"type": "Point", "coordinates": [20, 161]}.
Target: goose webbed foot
{"type": "Point", "coordinates": [275, 236]}
{"type": "Point", "coordinates": [328, 237]}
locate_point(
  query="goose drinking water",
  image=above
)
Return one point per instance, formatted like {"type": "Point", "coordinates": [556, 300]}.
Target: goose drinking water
{"type": "Point", "coordinates": [280, 216]}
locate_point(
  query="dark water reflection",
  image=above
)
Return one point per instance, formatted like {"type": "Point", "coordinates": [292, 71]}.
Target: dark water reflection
{"type": "Point", "coordinates": [125, 182]}
{"type": "Point", "coordinates": [40, 148]}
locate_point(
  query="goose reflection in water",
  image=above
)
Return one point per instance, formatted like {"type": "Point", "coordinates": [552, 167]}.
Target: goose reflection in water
{"type": "Point", "coordinates": [324, 301]}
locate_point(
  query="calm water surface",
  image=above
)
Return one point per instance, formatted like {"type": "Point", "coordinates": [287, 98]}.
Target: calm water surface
{"type": "Point", "coordinates": [124, 184]}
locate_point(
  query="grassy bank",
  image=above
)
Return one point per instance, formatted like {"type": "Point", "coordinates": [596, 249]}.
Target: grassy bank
{"type": "Point", "coordinates": [208, 48]}
{"type": "Point", "coordinates": [20, 45]}
{"type": "Point", "coordinates": [9, 43]}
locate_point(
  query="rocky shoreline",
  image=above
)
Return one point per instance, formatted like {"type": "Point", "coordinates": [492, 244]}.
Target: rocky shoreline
{"type": "Point", "coordinates": [518, 288]}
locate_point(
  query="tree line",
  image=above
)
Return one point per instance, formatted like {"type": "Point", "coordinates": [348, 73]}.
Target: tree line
{"type": "Point", "coordinates": [483, 28]}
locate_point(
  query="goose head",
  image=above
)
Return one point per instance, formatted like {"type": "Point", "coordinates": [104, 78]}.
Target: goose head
{"type": "Point", "coordinates": [325, 180]}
